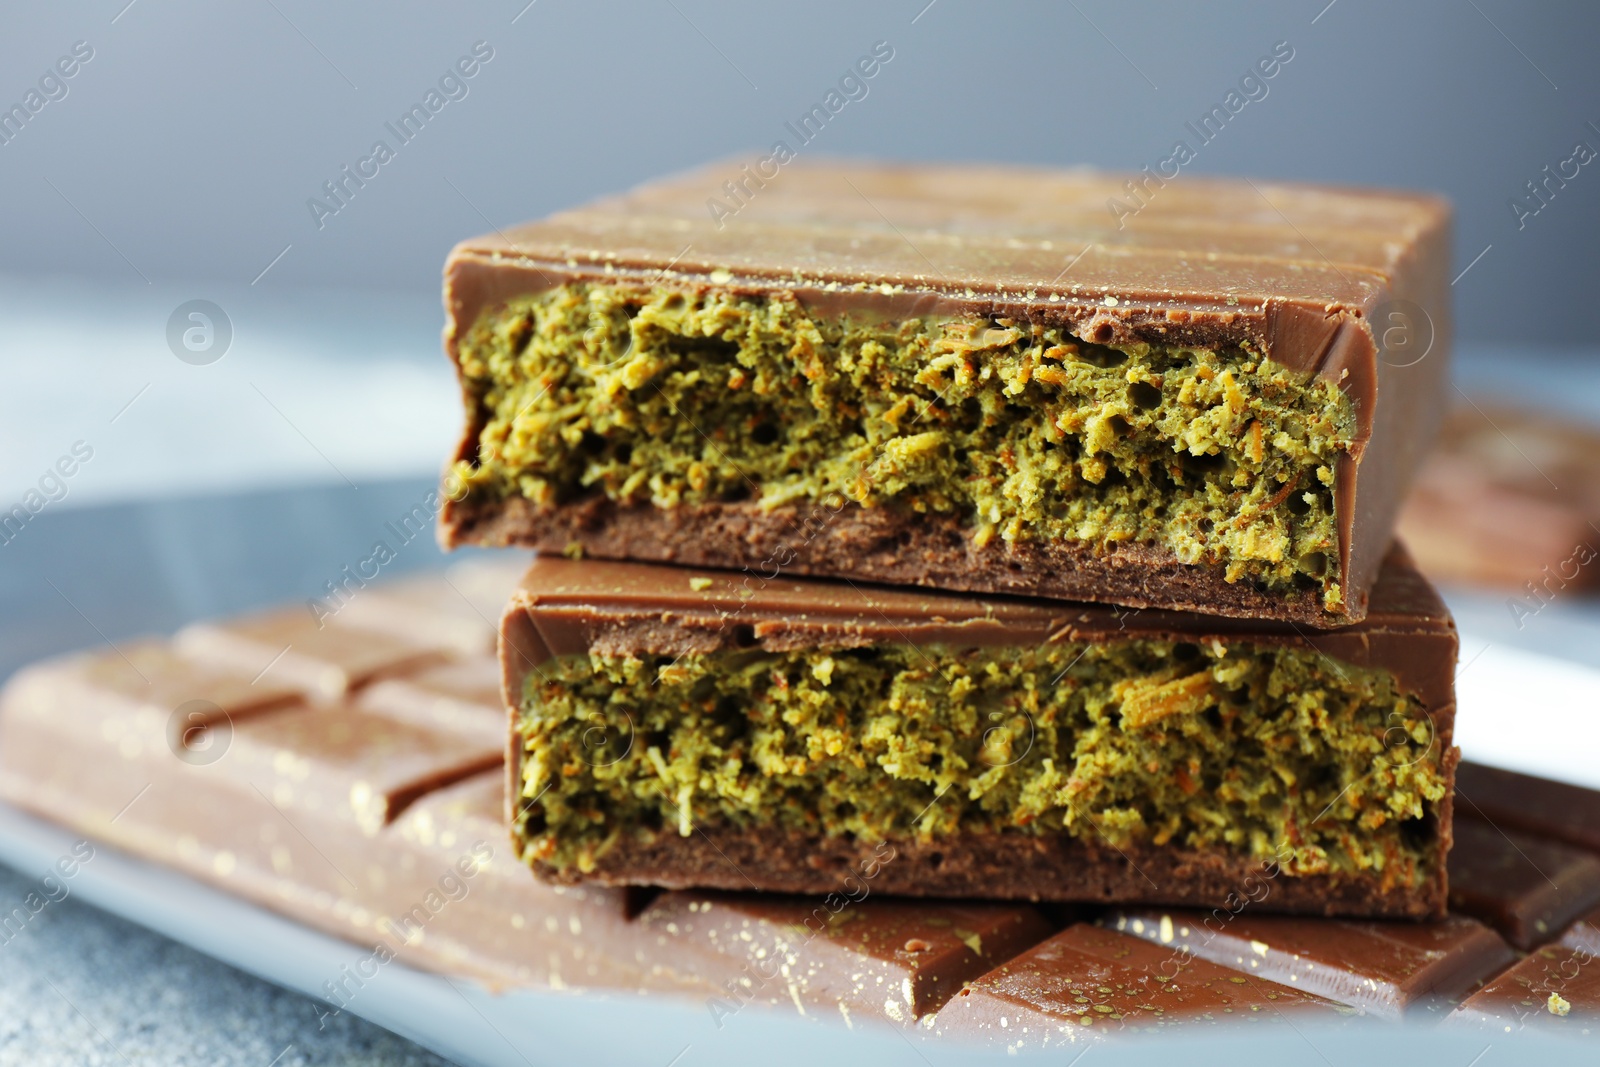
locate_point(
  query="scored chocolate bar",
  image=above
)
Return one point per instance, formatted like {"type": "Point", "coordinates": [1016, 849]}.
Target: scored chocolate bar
{"type": "Point", "coordinates": [689, 728]}
{"type": "Point", "coordinates": [962, 377]}
{"type": "Point", "coordinates": [370, 815]}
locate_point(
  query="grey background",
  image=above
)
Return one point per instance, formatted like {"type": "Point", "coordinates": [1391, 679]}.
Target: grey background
{"type": "Point", "coordinates": [187, 148]}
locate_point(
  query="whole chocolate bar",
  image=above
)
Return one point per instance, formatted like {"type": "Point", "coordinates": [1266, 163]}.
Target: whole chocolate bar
{"type": "Point", "coordinates": [701, 729]}
{"type": "Point", "coordinates": [962, 377]}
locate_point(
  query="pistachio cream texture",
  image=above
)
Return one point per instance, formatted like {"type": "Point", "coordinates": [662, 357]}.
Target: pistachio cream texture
{"type": "Point", "coordinates": [1015, 431]}
{"type": "Point", "coordinates": [1273, 753]}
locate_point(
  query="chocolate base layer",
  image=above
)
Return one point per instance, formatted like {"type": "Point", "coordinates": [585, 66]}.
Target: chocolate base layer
{"type": "Point", "coordinates": [881, 545]}
{"type": "Point", "coordinates": [994, 867]}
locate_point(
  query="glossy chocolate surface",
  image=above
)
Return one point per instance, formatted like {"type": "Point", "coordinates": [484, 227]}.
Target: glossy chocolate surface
{"type": "Point", "coordinates": [1087, 983]}
{"type": "Point", "coordinates": [1532, 805]}
{"type": "Point", "coordinates": [894, 958]}
{"type": "Point", "coordinates": [1556, 988]}
{"type": "Point", "coordinates": [1526, 887]}
{"type": "Point", "coordinates": [1386, 969]}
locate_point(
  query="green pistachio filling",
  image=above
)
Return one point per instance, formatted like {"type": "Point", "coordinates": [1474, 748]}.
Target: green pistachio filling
{"type": "Point", "coordinates": [1018, 431]}
{"type": "Point", "coordinates": [1272, 753]}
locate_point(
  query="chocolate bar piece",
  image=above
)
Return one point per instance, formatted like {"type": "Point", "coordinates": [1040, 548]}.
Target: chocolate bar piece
{"type": "Point", "coordinates": [961, 377]}
{"type": "Point", "coordinates": [1390, 970]}
{"type": "Point", "coordinates": [1556, 988]}
{"type": "Point", "coordinates": [699, 729]}
{"type": "Point", "coordinates": [1585, 933]}
{"type": "Point", "coordinates": [1509, 498]}
{"type": "Point", "coordinates": [1088, 983]}
{"type": "Point", "coordinates": [896, 959]}
{"type": "Point", "coordinates": [1526, 887]}
{"type": "Point", "coordinates": [1531, 805]}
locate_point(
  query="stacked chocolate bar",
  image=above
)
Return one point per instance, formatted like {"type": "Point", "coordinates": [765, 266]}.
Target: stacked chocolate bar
{"type": "Point", "coordinates": [916, 533]}
{"type": "Point", "coordinates": [1153, 472]}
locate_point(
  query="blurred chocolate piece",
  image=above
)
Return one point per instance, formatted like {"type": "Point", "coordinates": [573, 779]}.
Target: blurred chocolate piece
{"type": "Point", "coordinates": [1088, 982]}
{"type": "Point", "coordinates": [1532, 805]}
{"type": "Point", "coordinates": [1585, 933]}
{"type": "Point", "coordinates": [1387, 969]}
{"type": "Point", "coordinates": [1526, 887]}
{"type": "Point", "coordinates": [462, 696]}
{"type": "Point", "coordinates": [458, 609]}
{"type": "Point", "coordinates": [353, 766]}
{"type": "Point", "coordinates": [1509, 498]}
{"type": "Point", "coordinates": [293, 647]}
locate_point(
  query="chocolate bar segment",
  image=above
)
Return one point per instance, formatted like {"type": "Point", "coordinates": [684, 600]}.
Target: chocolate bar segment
{"type": "Point", "coordinates": [700, 729]}
{"type": "Point", "coordinates": [1555, 989]}
{"type": "Point", "coordinates": [889, 958]}
{"type": "Point", "coordinates": [900, 374]}
{"type": "Point", "coordinates": [1391, 970]}
{"type": "Point", "coordinates": [1088, 983]}
{"type": "Point", "coordinates": [457, 610]}
{"type": "Point", "coordinates": [1585, 933]}
{"type": "Point", "coordinates": [295, 648]}
{"type": "Point", "coordinates": [462, 696]}
{"type": "Point", "coordinates": [1530, 805]}
{"type": "Point", "coordinates": [1526, 887]}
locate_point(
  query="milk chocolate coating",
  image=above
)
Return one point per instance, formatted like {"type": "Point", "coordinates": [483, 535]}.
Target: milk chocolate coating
{"type": "Point", "coordinates": [566, 608]}
{"type": "Point", "coordinates": [1313, 277]}
{"type": "Point", "coordinates": [1531, 805]}
{"type": "Point", "coordinates": [1390, 970]}
{"type": "Point", "coordinates": [1522, 997]}
{"type": "Point", "coordinates": [1528, 888]}
{"type": "Point", "coordinates": [1088, 984]}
